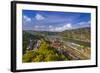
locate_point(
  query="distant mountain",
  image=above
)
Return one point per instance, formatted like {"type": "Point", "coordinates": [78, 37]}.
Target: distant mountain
{"type": "Point", "coordinates": [41, 32]}
{"type": "Point", "coordinates": [79, 33]}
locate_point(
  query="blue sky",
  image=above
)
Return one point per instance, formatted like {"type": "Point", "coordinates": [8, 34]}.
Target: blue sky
{"type": "Point", "coordinates": [54, 21]}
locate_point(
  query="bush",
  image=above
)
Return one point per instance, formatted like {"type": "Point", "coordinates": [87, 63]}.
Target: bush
{"type": "Point", "coordinates": [44, 53]}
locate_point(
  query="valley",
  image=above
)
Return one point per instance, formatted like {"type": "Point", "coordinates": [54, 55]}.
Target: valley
{"type": "Point", "coordinates": [44, 46]}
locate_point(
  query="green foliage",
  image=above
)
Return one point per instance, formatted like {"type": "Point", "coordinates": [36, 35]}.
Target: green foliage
{"type": "Point", "coordinates": [44, 53]}
{"type": "Point", "coordinates": [77, 34]}
{"type": "Point", "coordinates": [26, 37]}
{"type": "Point", "coordinates": [47, 53]}
{"type": "Point", "coordinates": [51, 57]}
{"type": "Point", "coordinates": [27, 57]}
{"type": "Point", "coordinates": [38, 58]}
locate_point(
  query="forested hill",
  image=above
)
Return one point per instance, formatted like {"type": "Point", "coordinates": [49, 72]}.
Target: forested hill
{"type": "Point", "coordinates": [77, 34]}
{"type": "Point", "coordinates": [80, 34]}
{"type": "Point", "coordinates": [54, 46]}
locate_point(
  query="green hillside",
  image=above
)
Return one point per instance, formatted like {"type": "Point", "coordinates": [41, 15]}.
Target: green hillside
{"type": "Point", "coordinates": [53, 46]}
{"type": "Point", "coordinates": [82, 34]}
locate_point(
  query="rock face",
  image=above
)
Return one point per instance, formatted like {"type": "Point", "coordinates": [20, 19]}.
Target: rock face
{"type": "Point", "coordinates": [30, 46]}
{"type": "Point", "coordinates": [33, 45]}
{"type": "Point", "coordinates": [37, 44]}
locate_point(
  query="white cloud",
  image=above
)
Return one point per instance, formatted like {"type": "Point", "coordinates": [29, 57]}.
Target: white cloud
{"type": "Point", "coordinates": [39, 17]}
{"type": "Point", "coordinates": [50, 26]}
{"type": "Point", "coordinates": [64, 27]}
{"type": "Point", "coordinates": [89, 22]}
{"type": "Point", "coordinates": [84, 23]}
{"type": "Point", "coordinates": [26, 18]}
{"type": "Point", "coordinates": [36, 27]}
{"type": "Point", "coordinates": [53, 28]}
{"type": "Point", "coordinates": [60, 28]}
{"type": "Point", "coordinates": [67, 26]}
{"type": "Point", "coordinates": [39, 28]}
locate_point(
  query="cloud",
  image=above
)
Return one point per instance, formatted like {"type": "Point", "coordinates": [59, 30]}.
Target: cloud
{"type": "Point", "coordinates": [68, 25]}
{"type": "Point", "coordinates": [89, 22]}
{"type": "Point", "coordinates": [60, 28]}
{"type": "Point", "coordinates": [84, 23]}
{"type": "Point", "coordinates": [39, 28]}
{"type": "Point", "coordinates": [64, 27]}
{"type": "Point", "coordinates": [36, 27]}
{"type": "Point", "coordinates": [53, 28]}
{"type": "Point", "coordinates": [39, 17]}
{"type": "Point", "coordinates": [50, 26]}
{"type": "Point", "coordinates": [26, 18]}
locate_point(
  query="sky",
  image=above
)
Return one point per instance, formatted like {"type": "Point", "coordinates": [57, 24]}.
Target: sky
{"type": "Point", "coordinates": [54, 21]}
